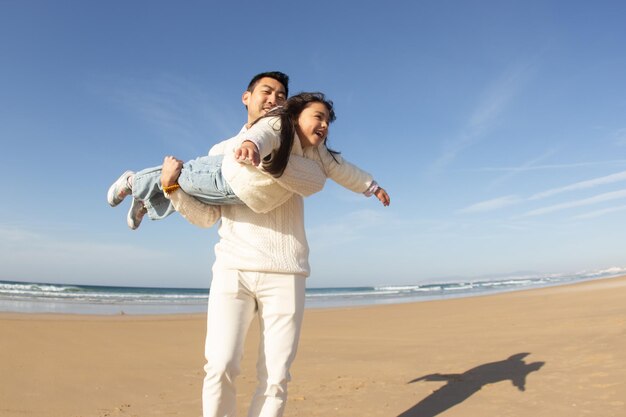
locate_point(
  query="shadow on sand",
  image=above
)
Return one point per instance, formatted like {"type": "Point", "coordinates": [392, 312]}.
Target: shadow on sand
{"type": "Point", "coordinates": [460, 387]}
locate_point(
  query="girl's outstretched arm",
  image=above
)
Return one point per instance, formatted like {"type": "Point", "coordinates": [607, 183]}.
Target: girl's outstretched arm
{"type": "Point", "coordinates": [248, 152]}
{"type": "Point", "coordinates": [350, 176]}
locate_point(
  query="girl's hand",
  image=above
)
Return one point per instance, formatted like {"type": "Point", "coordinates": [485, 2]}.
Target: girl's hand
{"type": "Point", "coordinates": [248, 153]}
{"type": "Point", "coordinates": [382, 195]}
{"type": "Point", "coordinates": [170, 171]}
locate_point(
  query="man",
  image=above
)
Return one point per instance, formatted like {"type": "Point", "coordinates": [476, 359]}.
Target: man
{"type": "Point", "coordinates": [260, 270]}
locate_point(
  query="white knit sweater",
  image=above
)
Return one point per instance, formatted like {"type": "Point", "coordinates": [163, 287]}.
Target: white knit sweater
{"type": "Point", "coordinates": [271, 238]}
{"type": "Point", "coordinates": [262, 192]}
{"type": "Point", "coordinates": [273, 241]}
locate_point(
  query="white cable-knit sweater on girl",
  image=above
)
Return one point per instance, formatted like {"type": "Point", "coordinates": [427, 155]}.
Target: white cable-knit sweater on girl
{"type": "Point", "coordinates": [262, 192]}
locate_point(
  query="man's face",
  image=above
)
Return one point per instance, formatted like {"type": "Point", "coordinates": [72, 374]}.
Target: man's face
{"type": "Point", "coordinates": [267, 94]}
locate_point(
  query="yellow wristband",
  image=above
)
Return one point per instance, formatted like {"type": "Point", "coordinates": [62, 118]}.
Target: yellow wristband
{"type": "Point", "coordinates": [170, 188]}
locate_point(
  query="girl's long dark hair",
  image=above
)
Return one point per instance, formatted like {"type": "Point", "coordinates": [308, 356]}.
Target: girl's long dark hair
{"type": "Point", "coordinates": [288, 114]}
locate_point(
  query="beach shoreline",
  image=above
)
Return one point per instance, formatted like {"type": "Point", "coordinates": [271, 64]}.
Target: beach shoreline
{"type": "Point", "coordinates": [45, 298]}
{"type": "Point", "coordinates": [554, 351]}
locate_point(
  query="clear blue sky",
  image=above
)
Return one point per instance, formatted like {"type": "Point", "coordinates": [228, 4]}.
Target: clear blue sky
{"type": "Point", "coordinates": [498, 128]}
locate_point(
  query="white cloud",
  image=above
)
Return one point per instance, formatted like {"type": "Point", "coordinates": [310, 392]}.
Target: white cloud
{"type": "Point", "coordinates": [525, 167]}
{"type": "Point", "coordinates": [29, 255]}
{"type": "Point", "coordinates": [578, 203]}
{"type": "Point", "coordinates": [506, 201]}
{"type": "Point", "coordinates": [609, 179]}
{"type": "Point", "coordinates": [178, 109]}
{"type": "Point", "coordinates": [351, 227]}
{"type": "Point", "coordinates": [493, 204]}
{"type": "Point", "coordinates": [496, 98]}
{"type": "Point", "coordinates": [620, 137]}
{"type": "Point", "coordinates": [12, 236]}
{"type": "Point", "coordinates": [599, 213]}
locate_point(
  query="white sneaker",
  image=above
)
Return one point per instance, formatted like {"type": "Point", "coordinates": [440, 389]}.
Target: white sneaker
{"type": "Point", "coordinates": [135, 214]}
{"type": "Point", "coordinates": [119, 189]}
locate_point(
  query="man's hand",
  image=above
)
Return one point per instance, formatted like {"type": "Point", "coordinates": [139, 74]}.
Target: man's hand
{"type": "Point", "coordinates": [170, 171]}
{"type": "Point", "coordinates": [382, 195]}
{"type": "Point", "coordinates": [248, 153]}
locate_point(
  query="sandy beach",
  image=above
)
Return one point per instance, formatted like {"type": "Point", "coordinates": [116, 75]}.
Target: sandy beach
{"type": "Point", "coordinates": [558, 351]}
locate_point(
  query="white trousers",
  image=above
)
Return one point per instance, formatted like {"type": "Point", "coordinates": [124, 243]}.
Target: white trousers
{"type": "Point", "coordinates": [235, 298]}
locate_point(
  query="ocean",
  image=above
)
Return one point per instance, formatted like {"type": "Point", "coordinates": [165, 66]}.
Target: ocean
{"type": "Point", "coordinates": [30, 297]}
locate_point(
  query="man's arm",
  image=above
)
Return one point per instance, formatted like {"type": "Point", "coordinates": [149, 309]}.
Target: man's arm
{"type": "Point", "coordinates": [194, 211]}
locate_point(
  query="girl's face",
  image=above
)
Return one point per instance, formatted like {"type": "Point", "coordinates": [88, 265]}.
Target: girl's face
{"type": "Point", "coordinates": [312, 126]}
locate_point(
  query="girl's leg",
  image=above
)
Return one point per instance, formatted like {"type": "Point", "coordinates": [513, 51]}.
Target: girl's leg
{"type": "Point", "coordinates": [200, 178]}
{"type": "Point", "coordinates": [119, 189]}
{"type": "Point", "coordinates": [147, 189]}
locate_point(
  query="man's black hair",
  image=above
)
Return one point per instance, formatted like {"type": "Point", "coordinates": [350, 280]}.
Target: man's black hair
{"type": "Point", "coordinates": [276, 75]}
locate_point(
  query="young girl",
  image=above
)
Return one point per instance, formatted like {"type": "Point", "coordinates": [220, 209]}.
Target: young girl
{"type": "Point", "coordinates": [233, 178]}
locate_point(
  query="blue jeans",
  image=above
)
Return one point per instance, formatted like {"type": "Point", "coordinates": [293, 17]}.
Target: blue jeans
{"type": "Point", "coordinates": [201, 178]}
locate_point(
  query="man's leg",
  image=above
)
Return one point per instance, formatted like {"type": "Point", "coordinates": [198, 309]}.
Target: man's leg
{"type": "Point", "coordinates": [231, 309]}
{"type": "Point", "coordinates": [281, 307]}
